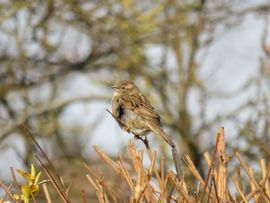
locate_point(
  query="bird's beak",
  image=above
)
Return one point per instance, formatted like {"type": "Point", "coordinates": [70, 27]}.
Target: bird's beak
{"type": "Point", "coordinates": [115, 87]}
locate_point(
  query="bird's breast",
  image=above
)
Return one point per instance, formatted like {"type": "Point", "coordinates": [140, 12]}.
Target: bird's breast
{"type": "Point", "coordinates": [135, 123]}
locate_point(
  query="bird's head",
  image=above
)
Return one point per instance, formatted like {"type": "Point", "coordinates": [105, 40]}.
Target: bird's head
{"type": "Point", "coordinates": [126, 87]}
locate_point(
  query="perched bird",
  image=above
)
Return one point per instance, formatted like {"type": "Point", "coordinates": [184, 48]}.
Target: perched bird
{"type": "Point", "coordinates": [134, 113]}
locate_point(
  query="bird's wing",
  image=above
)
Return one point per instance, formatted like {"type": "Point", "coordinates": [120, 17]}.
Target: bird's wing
{"type": "Point", "coordinates": [157, 129]}
{"type": "Point", "coordinates": [140, 106]}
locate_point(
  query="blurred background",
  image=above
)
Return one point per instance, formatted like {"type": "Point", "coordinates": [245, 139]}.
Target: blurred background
{"type": "Point", "coordinates": [202, 63]}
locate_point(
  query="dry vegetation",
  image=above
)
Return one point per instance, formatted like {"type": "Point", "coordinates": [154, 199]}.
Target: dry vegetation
{"type": "Point", "coordinates": [140, 182]}
{"type": "Point", "coordinates": [47, 47]}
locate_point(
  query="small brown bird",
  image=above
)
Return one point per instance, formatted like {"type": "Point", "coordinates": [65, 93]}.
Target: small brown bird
{"type": "Point", "coordinates": [134, 113]}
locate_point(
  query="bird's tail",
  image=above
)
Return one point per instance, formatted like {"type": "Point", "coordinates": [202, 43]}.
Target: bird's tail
{"type": "Point", "coordinates": [159, 131]}
{"type": "Point", "coordinates": [167, 138]}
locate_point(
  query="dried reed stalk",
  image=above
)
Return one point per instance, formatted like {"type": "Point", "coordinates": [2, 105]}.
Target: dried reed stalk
{"type": "Point", "coordinates": [222, 173]}
{"type": "Point", "coordinates": [151, 185]}
{"type": "Point", "coordinates": [153, 182]}
{"type": "Point", "coordinates": [46, 192]}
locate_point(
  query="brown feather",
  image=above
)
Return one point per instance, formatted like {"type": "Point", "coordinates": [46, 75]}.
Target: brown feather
{"type": "Point", "coordinates": [139, 115]}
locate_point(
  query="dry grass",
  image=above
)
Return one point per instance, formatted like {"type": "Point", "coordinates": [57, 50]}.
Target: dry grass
{"type": "Point", "coordinates": [152, 182]}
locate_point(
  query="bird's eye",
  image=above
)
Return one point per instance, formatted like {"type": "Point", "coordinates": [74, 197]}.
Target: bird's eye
{"type": "Point", "coordinates": [123, 87]}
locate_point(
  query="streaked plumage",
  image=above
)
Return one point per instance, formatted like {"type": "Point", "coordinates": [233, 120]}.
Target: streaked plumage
{"type": "Point", "coordinates": [134, 112]}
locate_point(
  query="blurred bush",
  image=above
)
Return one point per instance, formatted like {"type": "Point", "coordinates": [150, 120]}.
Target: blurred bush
{"type": "Point", "coordinates": [56, 54]}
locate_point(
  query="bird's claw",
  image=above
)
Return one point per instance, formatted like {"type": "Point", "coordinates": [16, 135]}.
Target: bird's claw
{"type": "Point", "coordinates": [137, 137]}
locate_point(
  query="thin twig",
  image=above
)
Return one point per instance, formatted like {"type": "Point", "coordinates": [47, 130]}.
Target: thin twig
{"type": "Point", "coordinates": [100, 178]}
{"type": "Point", "coordinates": [46, 192]}
{"type": "Point", "coordinates": [26, 130]}
{"type": "Point", "coordinates": [180, 188]}
{"type": "Point", "coordinates": [238, 188]}
{"type": "Point", "coordinates": [177, 164]}
{"type": "Point", "coordinates": [56, 186]}
{"type": "Point", "coordinates": [215, 188]}
{"type": "Point", "coordinates": [83, 196]}
{"type": "Point", "coordinates": [251, 176]}
{"type": "Point", "coordinates": [15, 180]}
{"type": "Point", "coordinates": [210, 168]}
{"type": "Point", "coordinates": [7, 193]}
{"type": "Point", "coordinates": [7, 190]}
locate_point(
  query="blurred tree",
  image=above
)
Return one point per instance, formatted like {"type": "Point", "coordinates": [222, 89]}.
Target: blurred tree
{"type": "Point", "coordinates": [45, 44]}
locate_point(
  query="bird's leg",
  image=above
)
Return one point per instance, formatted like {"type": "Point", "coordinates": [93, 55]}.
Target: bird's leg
{"type": "Point", "coordinates": [145, 140]}
{"type": "Point", "coordinates": [137, 137]}
{"type": "Point", "coordinates": [146, 143]}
